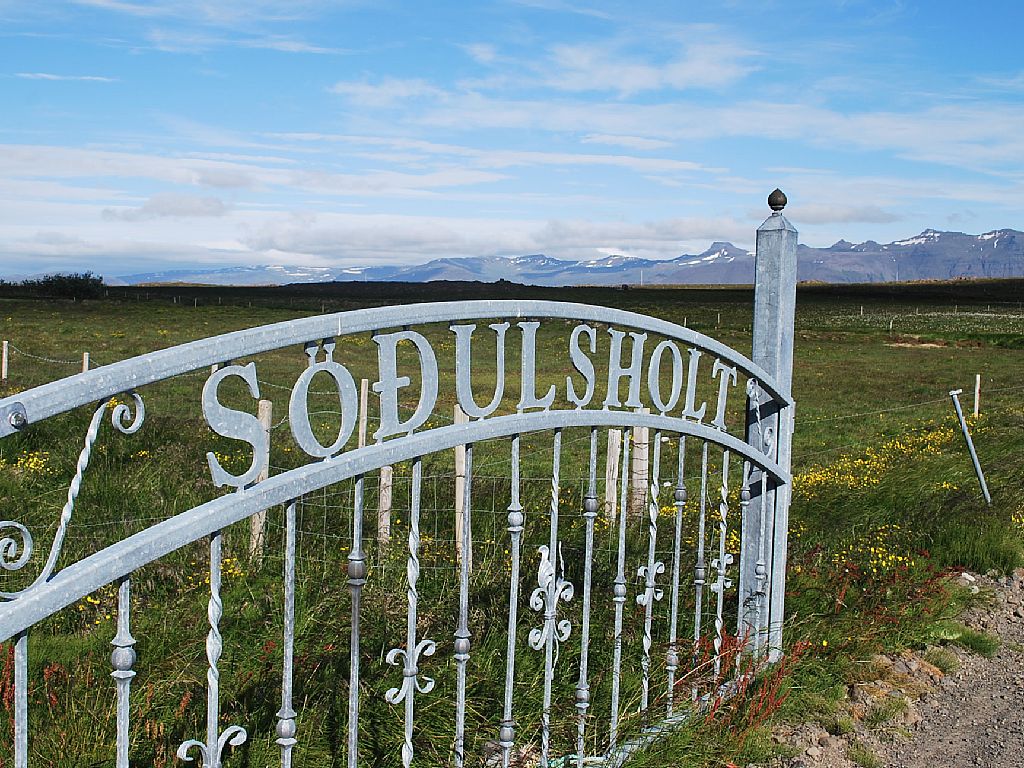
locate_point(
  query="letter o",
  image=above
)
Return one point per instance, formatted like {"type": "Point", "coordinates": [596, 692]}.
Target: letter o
{"type": "Point", "coordinates": [654, 376]}
{"type": "Point", "coordinates": [298, 409]}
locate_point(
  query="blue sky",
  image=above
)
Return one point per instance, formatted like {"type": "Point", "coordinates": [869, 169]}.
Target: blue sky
{"type": "Point", "coordinates": [139, 136]}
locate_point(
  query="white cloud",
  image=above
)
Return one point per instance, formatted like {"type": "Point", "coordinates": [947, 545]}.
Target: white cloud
{"type": "Point", "coordinates": [630, 142]}
{"type": "Point", "coordinates": [818, 213]}
{"type": "Point", "coordinates": [52, 77]}
{"type": "Point", "coordinates": [482, 53]}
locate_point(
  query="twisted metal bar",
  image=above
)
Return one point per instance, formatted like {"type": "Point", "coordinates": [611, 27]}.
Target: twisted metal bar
{"type": "Point", "coordinates": [649, 574]}
{"type": "Point", "coordinates": [123, 659]}
{"type": "Point", "coordinates": [10, 560]}
{"type": "Point", "coordinates": [672, 655]}
{"type": "Point", "coordinates": [619, 592]}
{"type": "Point", "coordinates": [516, 521]}
{"type": "Point", "coordinates": [700, 571]}
{"type": "Point", "coordinates": [212, 752]}
{"type": "Point", "coordinates": [409, 657]}
{"type": "Point", "coordinates": [590, 507]}
{"type": "Point", "coordinates": [721, 563]}
{"type": "Point", "coordinates": [286, 728]}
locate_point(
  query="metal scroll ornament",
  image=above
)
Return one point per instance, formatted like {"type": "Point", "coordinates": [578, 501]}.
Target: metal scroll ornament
{"type": "Point", "coordinates": [552, 588]}
{"type": "Point", "coordinates": [16, 552]}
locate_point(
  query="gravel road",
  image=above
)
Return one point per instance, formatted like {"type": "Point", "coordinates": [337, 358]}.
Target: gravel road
{"type": "Point", "coordinates": [972, 716]}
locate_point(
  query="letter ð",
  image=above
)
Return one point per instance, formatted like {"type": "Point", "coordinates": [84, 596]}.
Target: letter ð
{"type": "Point", "coordinates": [390, 382]}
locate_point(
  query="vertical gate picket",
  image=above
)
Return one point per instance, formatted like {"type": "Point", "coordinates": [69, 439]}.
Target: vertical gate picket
{"type": "Point", "coordinates": [286, 728]}
{"type": "Point", "coordinates": [462, 643]}
{"type": "Point", "coordinates": [409, 657]}
{"type": "Point", "coordinates": [619, 589]}
{"type": "Point", "coordinates": [700, 570]}
{"type": "Point", "coordinates": [123, 659]}
{"type": "Point", "coordinates": [212, 751]}
{"type": "Point", "coordinates": [679, 499]}
{"type": "Point", "coordinates": [721, 564]}
{"type": "Point", "coordinates": [506, 734]}
{"type": "Point", "coordinates": [356, 580]}
{"type": "Point", "coordinates": [21, 700]}
{"type": "Point", "coordinates": [649, 573]}
{"type": "Point", "coordinates": [551, 587]}
{"type": "Point", "coordinates": [590, 507]}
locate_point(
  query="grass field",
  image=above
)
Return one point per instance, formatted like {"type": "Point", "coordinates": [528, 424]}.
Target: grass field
{"type": "Point", "coordinates": [885, 503]}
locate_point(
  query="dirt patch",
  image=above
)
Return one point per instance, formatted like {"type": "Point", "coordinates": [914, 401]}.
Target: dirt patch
{"type": "Point", "coordinates": [908, 713]}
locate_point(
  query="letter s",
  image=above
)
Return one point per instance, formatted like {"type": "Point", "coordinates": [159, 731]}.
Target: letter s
{"type": "Point", "coordinates": [237, 425]}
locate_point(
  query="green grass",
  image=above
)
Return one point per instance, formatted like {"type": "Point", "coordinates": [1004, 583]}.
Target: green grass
{"type": "Point", "coordinates": [866, 561]}
{"type": "Point", "coordinates": [862, 755]}
{"type": "Point", "coordinates": [942, 659]}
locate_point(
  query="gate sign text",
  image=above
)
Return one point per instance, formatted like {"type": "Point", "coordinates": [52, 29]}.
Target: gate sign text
{"type": "Point", "coordinates": [631, 363]}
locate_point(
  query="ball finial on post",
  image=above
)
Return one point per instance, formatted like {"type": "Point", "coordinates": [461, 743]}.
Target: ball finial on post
{"type": "Point", "coordinates": [777, 200]}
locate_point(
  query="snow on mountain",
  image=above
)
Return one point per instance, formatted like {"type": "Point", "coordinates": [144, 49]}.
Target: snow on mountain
{"type": "Point", "coordinates": [929, 255]}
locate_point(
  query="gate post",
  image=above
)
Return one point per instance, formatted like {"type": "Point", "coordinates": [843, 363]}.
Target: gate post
{"type": "Point", "coordinates": [769, 429]}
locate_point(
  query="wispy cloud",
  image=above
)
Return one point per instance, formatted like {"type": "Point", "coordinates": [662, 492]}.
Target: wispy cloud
{"type": "Point", "coordinates": [630, 142]}
{"type": "Point", "coordinates": [169, 205]}
{"type": "Point", "coordinates": [605, 67]}
{"type": "Point", "coordinates": [53, 77]}
{"type": "Point", "coordinates": [386, 92]}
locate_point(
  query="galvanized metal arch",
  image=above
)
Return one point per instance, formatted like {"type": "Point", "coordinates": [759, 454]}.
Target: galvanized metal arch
{"type": "Point", "coordinates": [59, 396]}
{"type": "Point", "coordinates": [89, 574]}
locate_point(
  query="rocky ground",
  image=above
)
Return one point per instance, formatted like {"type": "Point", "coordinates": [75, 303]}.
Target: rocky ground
{"type": "Point", "coordinates": [943, 707]}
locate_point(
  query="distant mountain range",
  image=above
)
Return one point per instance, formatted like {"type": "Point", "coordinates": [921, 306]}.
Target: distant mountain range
{"type": "Point", "coordinates": [932, 255]}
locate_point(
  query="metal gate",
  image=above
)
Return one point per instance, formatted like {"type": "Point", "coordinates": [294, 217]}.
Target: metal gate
{"type": "Point", "coordinates": [652, 595]}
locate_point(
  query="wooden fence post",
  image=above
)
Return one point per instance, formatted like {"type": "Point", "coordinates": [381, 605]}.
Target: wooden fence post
{"type": "Point", "coordinates": [639, 473]}
{"type": "Point", "coordinates": [258, 522]}
{"type": "Point", "coordinates": [384, 505]}
{"type": "Point", "coordinates": [364, 399]}
{"type": "Point", "coordinates": [611, 473]}
{"type": "Point", "coordinates": [85, 362]}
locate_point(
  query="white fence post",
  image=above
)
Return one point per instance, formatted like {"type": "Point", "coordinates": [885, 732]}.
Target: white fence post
{"type": "Point", "coordinates": [85, 362]}
{"type": "Point", "coordinates": [977, 394]}
{"type": "Point", "coordinates": [3, 363]}
{"type": "Point", "coordinates": [258, 522]}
